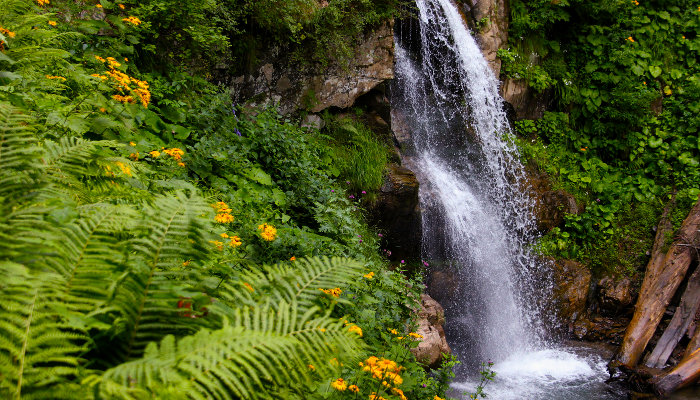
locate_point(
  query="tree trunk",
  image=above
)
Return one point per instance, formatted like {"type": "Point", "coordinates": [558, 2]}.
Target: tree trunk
{"type": "Point", "coordinates": [685, 373]}
{"type": "Point", "coordinates": [684, 315]}
{"type": "Point", "coordinates": [663, 276]}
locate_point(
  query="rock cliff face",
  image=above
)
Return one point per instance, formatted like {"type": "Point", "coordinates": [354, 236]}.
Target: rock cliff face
{"type": "Point", "coordinates": [490, 18]}
{"type": "Point", "coordinates": [296, 87]}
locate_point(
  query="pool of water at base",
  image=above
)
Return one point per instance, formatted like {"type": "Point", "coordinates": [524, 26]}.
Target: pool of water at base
{"type": "Point", "coordinates": [567, 372]}
{"type": "Point", "coordinates": [571, 371]}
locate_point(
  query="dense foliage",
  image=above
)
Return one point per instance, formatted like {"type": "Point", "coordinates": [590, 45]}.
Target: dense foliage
{"type": "Point", "coordinates": [157, 241]}
{"type": "Point", "coordinates": [622, 131]}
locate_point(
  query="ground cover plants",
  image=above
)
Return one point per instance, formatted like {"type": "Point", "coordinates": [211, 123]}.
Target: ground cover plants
{"type": "Point", "coordinates": [158, 241]}
{"type": "Point", "coordinates": [621, 133]}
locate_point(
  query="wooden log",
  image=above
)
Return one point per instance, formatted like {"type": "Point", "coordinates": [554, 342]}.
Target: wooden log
{"type": "Point", "coordinates": [693, 345]}
{"type": "Point", "coordinates": [685, 373]}
{"type": "Point", "coordinates": [684, 315]}
{"type": "Point", "coordinates": [662, 278]}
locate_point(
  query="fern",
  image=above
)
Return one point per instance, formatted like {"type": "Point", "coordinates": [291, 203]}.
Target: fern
{"type": "Point", "coordinates": [20, 167]}
{"type": "Point", "coordinates": [148, 298]}
{"type": "Point", "coordinates": [265, 349]}
{"type": "Point", "coordinates": [40, 351]}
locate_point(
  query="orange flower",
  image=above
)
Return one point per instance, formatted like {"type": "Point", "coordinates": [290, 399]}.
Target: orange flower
{"type": "Point", "coordinates": [52, 23]}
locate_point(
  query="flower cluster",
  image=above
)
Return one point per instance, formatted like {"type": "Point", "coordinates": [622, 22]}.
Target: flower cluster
{"type": "Point", "coordinates": [174, 153]}
{"type": "Point", "coordinates": [235, 240]}
{"type": "Point", "coordinates": [123, 82]}
{"type": "Point", "coordinates": [131, 20]}
{"type": "Point", "coordinates": [369, 275]}
{"type": "Point", "coordinates": [267, 232]}
{"type": "Point", "coordinates": [223, 213]}
{"type": "Point", "coordinates": [356, 329]}
{"type": "Point", "coordinates": [383, 369]}
{"type": "Point", "coordinates": [7, 32]}
{"type": "Point", "coordinates": [60, 78]}
{"type": "Point", "coordinates": [218, 244]}
{"type": "Point", "coordinates": [333, 292]}
{"type": "Point", "coordinates": [339, 384]}
{"type": "Point", "coordinates": [42, 2]}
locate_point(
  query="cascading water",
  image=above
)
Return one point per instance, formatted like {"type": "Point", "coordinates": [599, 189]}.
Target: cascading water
{"type": "Point", "coordinates": [475, 208]}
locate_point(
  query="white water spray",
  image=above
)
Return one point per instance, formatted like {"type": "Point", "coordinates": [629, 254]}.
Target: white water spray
{"type": "Point", "coordinates": [476, 209]}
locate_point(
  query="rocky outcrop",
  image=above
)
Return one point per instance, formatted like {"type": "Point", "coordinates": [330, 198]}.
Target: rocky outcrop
{"type": "Point", "coordinates": [490, 20]}
{"type": "Point", "coordinates": [614, 295]}
{"type": "Point", "coordinates": [550, 206]}
{"type": "Point", "coordinates": [313, 88]}
{"type": "Point", "coordinates": [571, 284]}
{"type": "Point", "coordinates": [431, 318]}
{"type": "Point", "coordinates": [397, 215]}
{"type": "Point", "coordinates": [527, 103]}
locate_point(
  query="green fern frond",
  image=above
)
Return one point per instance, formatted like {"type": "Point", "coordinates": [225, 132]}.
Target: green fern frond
{"type": "Point", "coordinates": [148, 298]}
{"type": "Point", "coordinates": [20, 166]}
{"type": "Point", "coordinates": [91, 255]}
{"type": "Point", "coordinates": [263, 350]}
{"type": "Point", "coordinates": [299, 282]}
{"type": "Point", "coordinates": [39, 355]}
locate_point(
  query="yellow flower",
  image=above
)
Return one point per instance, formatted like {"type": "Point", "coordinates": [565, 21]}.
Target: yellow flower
{"type": "Point", "coordinates": [311, 367]}
{"type": "Point", "coordinates": [221, 207]}
{"type": "Point", "coordinates": [132, 20]}
{"type": "Point", "coordinates": [394, 331]}
{"type": "Point", "coordinates": [125, 168]}
{"type": "Point", "coordinates": [333, 292]}
{"type": "Point", "coordinates": [224, 235]}
{"type": "Point", "coordinates": [235, 241]}
{"type": "Point", "coordinates": [247, 285]}
{"type": "Point", "coordinates": [223, 218]}
{"type": "Point", "coordinates": [99, 6]}
{"type": "Point", "coordinates": [134, 156]}
{"type": "Point", "coordinates": [630, 39]}
{"type": "Point", "coordinates": [60, 78]}
{"type": "Point", "coordinates": [292, 258]}
{"type": "Point", "coordinates": [42, 2]}
{"type": "Point", "coordinates": [132, 143]}
{"type": "Point", "coordinates": [174, 153]}
{"type": "Point", "coordinates": [415, 335]}
{"type": "Point", "coordinates": [219, 245]}
{"type": "Point", "coordinates": [121, 6]}
{"type": "Point", "coordinates": [438, 398]}
{"type": "Point", "coordinates": [268, 233]}
{"type": "Point", "coordinates": [52, 23]}
{"type": "Point", "coordinates": [186, 263]}
{"type": "Point", "coordinates": [356, 329]}
{"type": "Point", "coordinates": [399, 393]}
{"type": "Point", "coordinates": [182, 164]}
{"type": "Point", "coordinates": [353, 388]}
{"type": "Point", "coordinates": [7, 32]}
{"type": "Point", "coordinates": [154, 153]}
{"type": "Point", "coordinates": [369, 275]}
{"type": "Point", "coordinates": [339, 384]}
{"type": "Point", "coordinates": [374, 396]}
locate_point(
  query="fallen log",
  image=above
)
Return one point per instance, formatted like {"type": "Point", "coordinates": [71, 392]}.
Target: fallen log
{"type": "Point", "coordinates": [663, 276]}
{"type": "Point", "coordinates": [685, 373]}
{"type": "Point", "coordinates": [693, 345]}
{"type": "Point", "coordinates": [684, 315]}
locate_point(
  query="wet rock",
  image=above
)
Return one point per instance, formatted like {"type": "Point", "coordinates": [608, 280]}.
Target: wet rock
{"type": "Point", "coordinates": [314, 88]}
{"type": "Point", "coordinates": [491, 20]}
{"type": "Point", "coordinates": [431, 318]}
{"type": "Point", "coordinates": [526, 101]}
{"type": "Point", "coordinates": [550, 206]}
{"type": "Point", "coordinates": [571, 284]}
{"type": "Point", "coordinates": [614, 295]}
{"type": "Point", "coordinates": [600, 329]}
{"type": "Point", "coordinates": [397, 214]}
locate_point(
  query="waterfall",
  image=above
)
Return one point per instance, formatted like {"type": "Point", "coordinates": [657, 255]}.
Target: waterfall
{"type": "Point", "coordinates": [476, 213]}
{"type": "Point", "coordinates": [473, 185]}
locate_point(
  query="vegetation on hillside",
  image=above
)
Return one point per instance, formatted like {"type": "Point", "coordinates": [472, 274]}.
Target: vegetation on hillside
{"type": "Point", "coordinates": [158, 241]}
{"type": "Point", "coordinates": [621, 131]}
